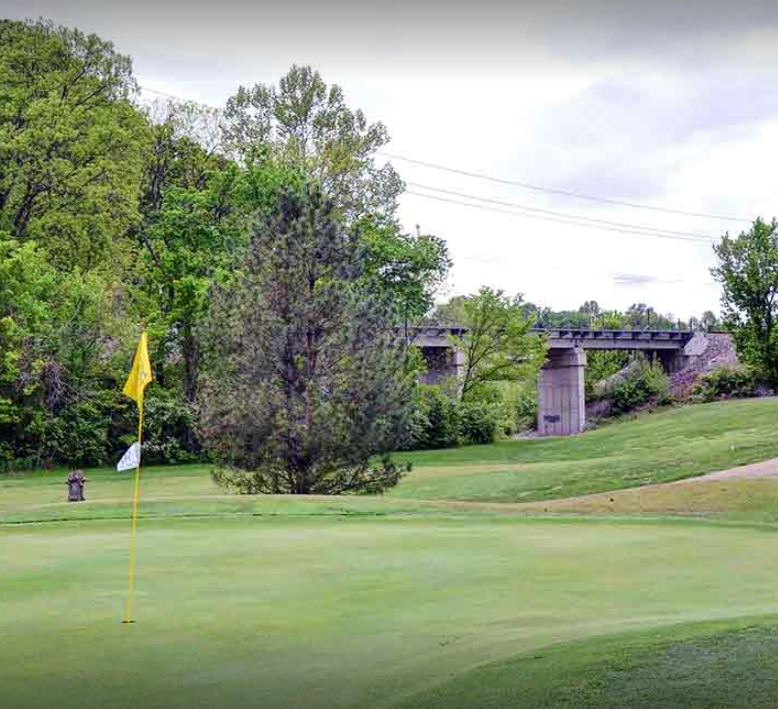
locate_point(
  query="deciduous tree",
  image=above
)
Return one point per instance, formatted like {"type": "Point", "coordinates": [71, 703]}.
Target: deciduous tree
{"type": "Point", "coordinates": [71, 143]}
{"type": "Point", "coordinates": [748, 273]}
{"type": "Point", "coordinates": [308, 124]}
{"type": "Point", "coordinates": [498, 344]}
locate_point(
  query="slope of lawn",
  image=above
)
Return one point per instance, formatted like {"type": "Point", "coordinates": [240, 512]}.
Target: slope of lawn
{"type": "Point", "coordinates": [653, 448]}
{"type": "Point", "coordinates": [747, 500]}
{"type": "Point", "coordinates": [344, 611]}
{"type": "Point", "coordinates": [716, 666]}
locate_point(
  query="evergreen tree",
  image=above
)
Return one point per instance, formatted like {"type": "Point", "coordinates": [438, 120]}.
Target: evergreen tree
{"type": "Point", "coordinates": [307, 379]}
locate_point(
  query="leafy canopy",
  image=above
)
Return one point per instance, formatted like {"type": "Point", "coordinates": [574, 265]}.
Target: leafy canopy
{"type": "Point", "coordinates": [71, 144]}
{"type": "Point", "coordinates": [498, 344]}
{"type": "Point", "coordinates": [748, 273]}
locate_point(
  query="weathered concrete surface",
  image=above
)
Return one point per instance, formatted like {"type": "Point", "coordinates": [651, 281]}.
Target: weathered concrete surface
{"type": "Point", "coordinates": [561, 401]}
{"type": "Point", "coordinates": [634, 340]}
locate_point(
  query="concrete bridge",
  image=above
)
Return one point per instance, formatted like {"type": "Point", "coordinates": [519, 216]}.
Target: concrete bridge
{"type": "Point", "coordinates": [561, 402]}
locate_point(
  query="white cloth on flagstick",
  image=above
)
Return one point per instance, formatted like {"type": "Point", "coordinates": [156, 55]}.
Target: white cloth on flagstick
{"type": "Point", "coordinates": [131, 459]}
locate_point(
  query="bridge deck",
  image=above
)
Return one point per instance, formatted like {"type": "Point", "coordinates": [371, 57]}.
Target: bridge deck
{"type": "Point", "coordinates": [566, 338]}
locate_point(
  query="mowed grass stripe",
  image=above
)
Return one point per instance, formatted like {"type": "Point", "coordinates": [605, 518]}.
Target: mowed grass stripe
{"type": "Point", "coordinates": [728, 665]}
{"type": "Point", "coordinates": [653, 448]}
{"type": "Point", "coordinates": [341, 612]}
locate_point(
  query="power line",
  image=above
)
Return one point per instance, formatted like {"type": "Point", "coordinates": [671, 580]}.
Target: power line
{"type": "Point", "coordinates": [173, 96]}
{"type": "Point", "coordinates": [515, 213]}
{"type": "Point", "coordinates": [534, 212]}
{"type": "Point", "coordinates": [565, 193]}
{"type": "Point", "coordinates": [577, 218]}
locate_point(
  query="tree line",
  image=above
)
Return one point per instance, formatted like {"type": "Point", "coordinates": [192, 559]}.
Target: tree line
{"type": "Point", "coordinates": [116, 216]}
{"type": "Point", "coordinates": [259, 246]}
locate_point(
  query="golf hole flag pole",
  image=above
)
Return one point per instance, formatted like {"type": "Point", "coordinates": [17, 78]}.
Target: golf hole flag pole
{"type": "Point", "coordinates": [140, 376]}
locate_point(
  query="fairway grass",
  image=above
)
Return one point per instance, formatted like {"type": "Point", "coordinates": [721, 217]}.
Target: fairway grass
{"type": "Point", "coordinates": [342, 612]}
{"type": "Point", "coordinates": [711, 665]}
{"type": "Point", "coordinates": [734, 499]}
{"type": "Point", "coordinates": [475, 584]}
{"type": "Point", "coordinates": [654, 448]}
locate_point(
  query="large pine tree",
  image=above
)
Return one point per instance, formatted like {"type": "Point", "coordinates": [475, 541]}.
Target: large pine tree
{"type": "Point", "coordinates": [306, 382]}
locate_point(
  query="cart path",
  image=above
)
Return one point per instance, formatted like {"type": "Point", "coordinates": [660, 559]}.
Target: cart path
{"type": "Point", "coordinates": [765, 469]}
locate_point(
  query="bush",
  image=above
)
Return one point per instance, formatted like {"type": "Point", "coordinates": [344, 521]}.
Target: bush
{"type": "Point", "coordinates": [600, 366]}
{"type": "Point", "coordinates": [435, 420]}
{"type": "Point", "coordinates": [439, 421]}
{"type": "Point", "coordinates": [168, 424]}
{"type": "Point", "coordinates": [726, 383]}
{"type": "Point", "coordinates": [478, 421]}
{"type": "Point", "coordinates": [526, 407]}
{"type": "Point", "coordinates": [643, 383]}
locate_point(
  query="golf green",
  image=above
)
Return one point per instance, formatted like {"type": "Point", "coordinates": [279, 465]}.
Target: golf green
{"type": "Point", "coordinates": [339, 611]}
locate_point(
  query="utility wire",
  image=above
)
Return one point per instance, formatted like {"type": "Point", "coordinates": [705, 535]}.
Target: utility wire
{"type": "Point", "coordinates": [565, 193]}
{"type": "Point", "coordinates": [167, 95]}
{"type": "Point", "coordinates": [533, 212]}
{"type": "Point", "coordinates": [515, 213]}
{"type": "Point", "coordinates": [564, 215]}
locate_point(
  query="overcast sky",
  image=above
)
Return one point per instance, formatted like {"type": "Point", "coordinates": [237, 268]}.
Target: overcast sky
{"type": "Point", "coordinates": [670, 105]}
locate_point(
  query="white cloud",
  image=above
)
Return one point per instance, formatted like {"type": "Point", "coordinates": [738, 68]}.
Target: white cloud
{"type": "Point", "coordinates": [667, 103]}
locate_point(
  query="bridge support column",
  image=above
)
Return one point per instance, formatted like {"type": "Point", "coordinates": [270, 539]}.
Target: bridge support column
{"type": "Point", "coordinates": [561, 402]}
{"type": "Point", "coordinates": [672, 360]}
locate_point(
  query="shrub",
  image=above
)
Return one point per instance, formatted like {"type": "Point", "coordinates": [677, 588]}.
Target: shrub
{"type": "Point", "coordinates": [527, 407]}
{"type": "Point", "coordinates": [726, 383]}
{"type": "Point", "coordinates": [600, 366]}
{"type": "Point", "coordinates": [440, 421]}
{"type": "Point", "coordinates": [435, 419]}
{"type": "Point", "coordinates": [644, 382]}
{"type": "Point", "coordinates": [478, 421]}
{"type": "Point", "coordinates": [168, 424]}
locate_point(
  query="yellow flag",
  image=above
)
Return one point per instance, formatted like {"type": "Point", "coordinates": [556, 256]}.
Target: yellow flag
{"type": "Point", "coordinates": [140, 374]}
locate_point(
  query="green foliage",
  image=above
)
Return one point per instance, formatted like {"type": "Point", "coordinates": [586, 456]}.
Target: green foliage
{"type": "Point", "coordinates": [435, 421]}
{"type": "Point", "coordinates": [642, 384]}
{"type": "Point", "coordinates": [526, 406]}
{"type": "Point", "coordinates": [479, 421]}
{"type": "Point", "coordinates": [71, 144]}
{"type": "Point", "coordinates": [407, 268]}
{"type": "Point", "coordinates": [638, 316]}
{"type": "Point", "coordinates": [53, 404]}
{"type": "Point", "coordinates": [441, 421]}
{"type": "Point", "coordinates": [748, 273]}
{"type": "Point", "coordinates": [168, 424]}
{"type": "Point", "coordinates": [307, 125]}
{"type": "Point", "coordinates": [601, 364]}
{"type": "Point", "coordinates": [498, 344]}
{"type": "Point", "coordinates": [113, 218]}
{"type": "Point", "coordinates": [726, 383]}
{"type": "Point", "coordinates": [307, 381]}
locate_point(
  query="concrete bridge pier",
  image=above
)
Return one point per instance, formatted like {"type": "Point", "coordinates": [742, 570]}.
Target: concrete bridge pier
{"type": "Point", "coordinates": [561, 401]}
{"type": "Point", "coordinates": [672, 360]}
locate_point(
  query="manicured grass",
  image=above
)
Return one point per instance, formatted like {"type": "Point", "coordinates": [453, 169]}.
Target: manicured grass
{"type": "Point", "coordinates": [655, 448]}
{"type": "Point", "coordinates": [716, 666]}
{"type": "Point", "coordinates": [748, 500]}
{"type": "Point", "coordinates": [464, 599]}
{"type": "Point", "coordinates": [338, 611]}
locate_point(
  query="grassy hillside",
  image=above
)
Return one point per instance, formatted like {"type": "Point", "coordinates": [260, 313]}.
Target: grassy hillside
{"type": "Point", "coordinates": [654, 448]}
{"type": "Point", "coordinates": [710, 665]}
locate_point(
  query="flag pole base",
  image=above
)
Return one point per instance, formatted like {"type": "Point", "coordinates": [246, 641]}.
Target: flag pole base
{"type": "Point", "coordinates": [127, 622]}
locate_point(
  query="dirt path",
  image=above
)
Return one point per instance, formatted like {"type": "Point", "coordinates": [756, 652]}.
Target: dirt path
{"type": "Point", "coordinates": [765, 469]}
